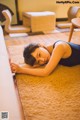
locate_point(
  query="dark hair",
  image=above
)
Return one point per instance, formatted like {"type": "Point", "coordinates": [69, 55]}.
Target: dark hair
{"type": "Point", "coordinates": [28, 58]}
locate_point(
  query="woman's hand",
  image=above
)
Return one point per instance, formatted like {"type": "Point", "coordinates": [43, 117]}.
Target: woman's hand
{"type": "Point", "coordinates": [15, 68]}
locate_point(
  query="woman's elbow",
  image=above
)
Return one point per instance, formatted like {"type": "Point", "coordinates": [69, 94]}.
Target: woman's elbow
{"type": "Point", "coordinates": [47, 73]}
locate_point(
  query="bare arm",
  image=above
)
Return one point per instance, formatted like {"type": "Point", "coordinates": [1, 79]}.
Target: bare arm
{"type": "Point", "coordinates": [57, 54]}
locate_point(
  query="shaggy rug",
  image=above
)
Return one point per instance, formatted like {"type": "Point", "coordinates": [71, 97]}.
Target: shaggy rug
{"type": "Point", "coordinates": [55, 97]}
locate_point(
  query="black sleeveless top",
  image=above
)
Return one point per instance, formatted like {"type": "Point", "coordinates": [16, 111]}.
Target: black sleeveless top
{"type": "Point", "coordinates": [74, 59]}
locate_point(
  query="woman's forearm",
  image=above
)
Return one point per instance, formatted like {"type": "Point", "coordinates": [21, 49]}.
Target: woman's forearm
{"type": "Point", "coordinates": [34, 71]}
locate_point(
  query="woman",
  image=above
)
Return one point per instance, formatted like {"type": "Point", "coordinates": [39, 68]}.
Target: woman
{"type": "Point", "coordinates": [64, 53]}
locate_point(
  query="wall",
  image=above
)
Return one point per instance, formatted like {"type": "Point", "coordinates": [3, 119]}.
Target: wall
{"type": "Point", "coordinates": [44, 5]}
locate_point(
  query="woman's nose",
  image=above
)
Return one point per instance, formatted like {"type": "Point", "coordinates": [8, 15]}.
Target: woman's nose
{"type": "Point", "coordinates": [42, 59]}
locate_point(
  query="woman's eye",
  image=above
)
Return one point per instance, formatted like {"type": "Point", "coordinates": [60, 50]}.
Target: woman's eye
{"type": "Point", "coordinates": [39, 55]}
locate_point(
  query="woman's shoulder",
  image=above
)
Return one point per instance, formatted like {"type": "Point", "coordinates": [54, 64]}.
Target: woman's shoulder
{"type": "Point", "coordinates": [63, 45]}
{"type": "Point", "coordinates": [59, 43]}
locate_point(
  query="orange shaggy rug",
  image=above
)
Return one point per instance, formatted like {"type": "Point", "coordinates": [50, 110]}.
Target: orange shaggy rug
{"type": "Point", "coordinates": [56, 97]}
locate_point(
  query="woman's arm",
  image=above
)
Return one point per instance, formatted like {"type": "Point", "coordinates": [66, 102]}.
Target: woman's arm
{"type": "Point", "coordinates": [57, 54]}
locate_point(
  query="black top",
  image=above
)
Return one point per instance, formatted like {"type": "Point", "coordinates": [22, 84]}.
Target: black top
{"type": "Point", "coordinates": [74, 59]}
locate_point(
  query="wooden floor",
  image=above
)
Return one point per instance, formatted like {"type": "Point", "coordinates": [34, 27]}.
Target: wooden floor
{"type": "Point", "coordinates": [43, 39]}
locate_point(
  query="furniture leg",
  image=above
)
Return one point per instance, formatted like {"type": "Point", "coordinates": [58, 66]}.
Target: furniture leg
{"type": "Point", "coordinates": [71, 32]}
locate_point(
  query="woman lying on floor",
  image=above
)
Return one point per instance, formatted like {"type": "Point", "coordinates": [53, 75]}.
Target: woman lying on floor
{"type": "Point", "coordinates": [61, 52]}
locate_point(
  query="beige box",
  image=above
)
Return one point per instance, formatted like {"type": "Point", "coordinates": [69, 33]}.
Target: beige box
{"type": "Point", "coordinates": [39, 21]}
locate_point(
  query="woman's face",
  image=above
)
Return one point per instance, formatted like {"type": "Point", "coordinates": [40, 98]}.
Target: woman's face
{"type": "Point", "coordinates": [41, 55]}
